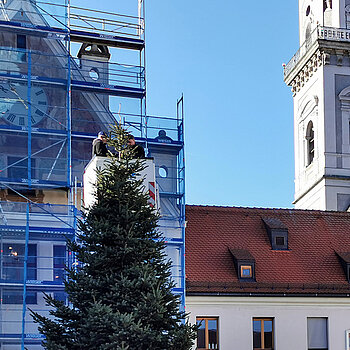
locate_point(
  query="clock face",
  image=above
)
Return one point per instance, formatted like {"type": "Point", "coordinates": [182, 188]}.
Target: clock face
{"type": "Point", "coordinates": [14, 105]}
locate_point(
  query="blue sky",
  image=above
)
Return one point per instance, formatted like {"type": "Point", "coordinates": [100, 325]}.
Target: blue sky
{"type": "Point", "coordinates": [226, 58]}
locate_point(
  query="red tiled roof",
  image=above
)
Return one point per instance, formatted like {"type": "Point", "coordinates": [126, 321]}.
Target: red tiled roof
{"type": "Point", "coordinates": [311, 264]}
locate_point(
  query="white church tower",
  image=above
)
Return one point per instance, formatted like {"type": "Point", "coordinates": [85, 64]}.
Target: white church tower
{"type": "Point", "coordinates": [319, 74]}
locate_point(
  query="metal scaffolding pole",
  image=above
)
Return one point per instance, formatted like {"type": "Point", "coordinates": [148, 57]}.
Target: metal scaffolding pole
{"type": "Point", "coordinates": [29, 107]}
{"type": "Point", "coordinates": [69, 110]}
{"type": "Point", "coordinates": [25, 264]}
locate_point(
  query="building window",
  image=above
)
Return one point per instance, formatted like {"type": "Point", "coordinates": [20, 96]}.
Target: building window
{"type": "Point", "coordinates": [308, 35]}
{"type": "Point", "coordinates": [207, 335]}
{"type": "Point", "coordinates": [347, 16]}
{"type": "Point", "coordinates": [244, 264]}
{"type": "Point", "coordinates": [12, 297]}
{"type": "Point", "coordinates": [13, 262]}
{"type": "Point", "coordinates": [246, 271]}
{"type": "Point", "coordinates": [263, 333]}
{"type": "Point", "coordinates": [327, 4]}
{"type": "Point", "coordinates": [60, 296]}
{"type": "Point", "coordinates": [308, 10]}
{"type": "Point", "coordinates": [347, 339]}
{"type": "Point", "coordinates": [317, 336]}
{"type": "Point", "coordinates": [278, 233]}
{"type": "Point", "coordinates": [59, 258]}
{"type": "Point", "coordinates": [279, 241]}
{"type": "Point", "coordinates": [21, 41]}
{"type": "Point", "coordinates": [22, 44]}
{"type": "Point", "coordinates": [310, 138]}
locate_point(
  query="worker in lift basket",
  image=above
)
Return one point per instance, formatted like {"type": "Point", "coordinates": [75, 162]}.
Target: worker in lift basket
{"type": "Point", "coordinates": [139, 152]}
{"type": "Point", "coordinates": [99, 145]}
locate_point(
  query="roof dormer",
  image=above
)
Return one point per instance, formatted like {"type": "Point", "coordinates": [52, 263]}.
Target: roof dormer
{"type": "Point", "coordinates": [344, 258]}
{"type": "Point", "coordinates": [277, 232]}
{"type": "Point", "coordinates": [244, 264]}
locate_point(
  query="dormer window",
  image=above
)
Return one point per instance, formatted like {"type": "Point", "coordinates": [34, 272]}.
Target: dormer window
{"type": "Point", "coordinates": [344, 259]}
{"type": "Point", "coordinates": [280, 241]}
{"type": "Point", "coordinates": [244, 264]}
{"type": "Point", "coordinates": [277, 232]}
{"type": "Point", "coordinates": [246, 271]}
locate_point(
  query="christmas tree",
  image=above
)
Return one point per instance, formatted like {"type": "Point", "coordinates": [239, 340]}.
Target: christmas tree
{"type": "Point", "coordinates": [120, 294]}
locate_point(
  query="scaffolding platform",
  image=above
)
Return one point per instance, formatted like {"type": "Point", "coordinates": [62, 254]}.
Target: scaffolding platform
{"type": "Point", "coordinates": [52, 105]}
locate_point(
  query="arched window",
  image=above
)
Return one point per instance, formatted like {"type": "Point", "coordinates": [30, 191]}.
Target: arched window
{"type": "Point", "coordinates": [327, 4]}
{"type": "Point", "coordinates": [347, 16]}
{"type": "Point", "coordinates": [310, 148]}
{"type": "Point", "coordinates": [308, 35]}
{"type": "Point", "coordinates": [327, 9]}
{"type": "Point", "coordinates": [308, 9]}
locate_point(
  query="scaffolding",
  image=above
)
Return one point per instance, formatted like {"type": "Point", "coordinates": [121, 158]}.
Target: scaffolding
{"type": "Point", "coordinates": [60, 84]}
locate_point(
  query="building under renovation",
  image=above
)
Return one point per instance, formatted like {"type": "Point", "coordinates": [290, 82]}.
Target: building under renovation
{"type": "Point", "coordinates": [67, 73]}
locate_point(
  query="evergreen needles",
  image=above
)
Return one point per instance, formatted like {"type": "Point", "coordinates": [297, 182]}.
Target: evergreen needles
{"type": "Point", "coordinates": [120, 293]}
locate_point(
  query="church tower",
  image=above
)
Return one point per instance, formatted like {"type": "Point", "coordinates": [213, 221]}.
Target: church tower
{"type": "Point", "coordinates": [319, 75]}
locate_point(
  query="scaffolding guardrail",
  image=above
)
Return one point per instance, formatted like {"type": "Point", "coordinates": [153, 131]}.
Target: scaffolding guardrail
{"type": "Point", "coordinates": [66, 17]}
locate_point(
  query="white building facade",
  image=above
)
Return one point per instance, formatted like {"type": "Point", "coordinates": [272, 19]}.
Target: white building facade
{"type": "Point", "coordinates": [293, 319]}
{"type": "Point", "coordinates": [320, 79]}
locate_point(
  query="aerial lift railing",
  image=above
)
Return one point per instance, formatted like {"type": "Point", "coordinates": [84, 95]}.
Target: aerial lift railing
{"type": "Point", "coordinates": [154, 125]}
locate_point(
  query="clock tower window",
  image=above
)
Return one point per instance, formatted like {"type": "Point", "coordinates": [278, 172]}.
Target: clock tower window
{"type": "Point", "coordinates": [21, 41]}
{"type": "Point", "coordinates": [22, 44]}
{"type": "Point", "coordinates": [310, 139]}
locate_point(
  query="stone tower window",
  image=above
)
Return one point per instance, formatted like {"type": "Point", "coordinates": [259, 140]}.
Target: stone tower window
{"type": "Point", "coordinates": [327, 9]}
{"type": "Point", "coordinates": [308, 34]}
{"type": "Point", "coordinates": [310, 143]}
{"type": "Point", "coordinates": [308, 10]}
{"type": "Point", "coordinates": [347, 16]}
{"type": "Point", "coordinates": [327, 4]}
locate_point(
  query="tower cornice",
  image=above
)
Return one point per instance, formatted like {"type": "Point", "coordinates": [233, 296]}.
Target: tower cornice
{"type": "Point", "coordinates": [315, 52]}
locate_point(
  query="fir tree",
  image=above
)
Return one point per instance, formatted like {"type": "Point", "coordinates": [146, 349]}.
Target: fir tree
{"type": "Point", "coordinates": [120, 294]}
